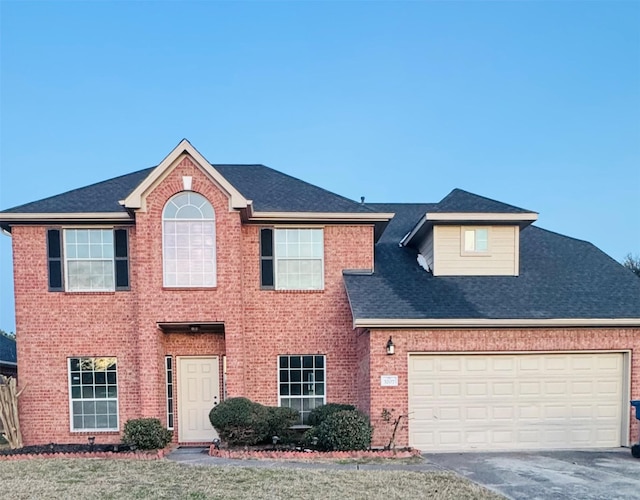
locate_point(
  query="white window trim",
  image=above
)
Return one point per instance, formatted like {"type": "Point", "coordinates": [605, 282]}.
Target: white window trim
{"type": "Point", "coordinates": [215, 245]}
{"type": "Point", "coordinates": [301, 397]}
{"type": "Point", "coordinates": [475, 253]}
{"type": "Point", "coordinates": [277, 259]}
{"type": "Point", "coordinates": [71, 400]}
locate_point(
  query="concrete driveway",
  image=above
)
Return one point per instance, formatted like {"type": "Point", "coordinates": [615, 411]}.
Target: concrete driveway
{"type": "Point", "coordinates": [561, 475]}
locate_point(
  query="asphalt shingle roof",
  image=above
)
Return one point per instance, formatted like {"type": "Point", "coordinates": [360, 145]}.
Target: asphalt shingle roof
{"type": "Point", "coordinates": [460, 201]}
{"type": "Point", "coordinates": [560, 277]}
{"type": "Point", "coordinates": [273, 191]}
{"type": "Point", "coordinates": [269, 189]}
{"type": "Point", "coordinates": [7, 349]}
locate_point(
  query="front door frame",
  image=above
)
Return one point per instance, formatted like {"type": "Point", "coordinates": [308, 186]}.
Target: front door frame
{"type": "Point", "coordinates": [181, 421]}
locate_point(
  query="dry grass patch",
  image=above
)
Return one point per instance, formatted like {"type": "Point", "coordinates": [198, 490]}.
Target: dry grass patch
{"type": "Point", "coordinates": [130, 479]}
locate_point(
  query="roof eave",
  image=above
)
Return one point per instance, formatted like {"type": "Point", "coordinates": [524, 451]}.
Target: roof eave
{"type": "Point", "coordinates": [430, 218]}
{"type": "Point", "coordinates": [11, 219]}
{"type": "Point", "coordinates": [440, 323]}
{"type": "Point", "coordinates": [378, 219]}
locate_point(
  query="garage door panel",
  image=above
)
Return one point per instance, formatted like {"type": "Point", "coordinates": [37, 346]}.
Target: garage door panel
{"type": "Point", "coordinates": [475, 389]}
{"type": "Point", "coordinates": [515, 401]}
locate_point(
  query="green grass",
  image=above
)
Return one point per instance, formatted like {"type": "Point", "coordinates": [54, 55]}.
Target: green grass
{"type": "Point", "coordinates": [130, 479]}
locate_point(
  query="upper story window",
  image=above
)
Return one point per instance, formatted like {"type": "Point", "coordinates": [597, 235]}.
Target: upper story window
{"type": "Point", "coordinates": [90, 260]}
{"type": "Point", "coordinates": [292, 259]}
{"type": "Point", "coordinates": [475, 240]}
{"type": "Point", "coordinates": [189, 241]}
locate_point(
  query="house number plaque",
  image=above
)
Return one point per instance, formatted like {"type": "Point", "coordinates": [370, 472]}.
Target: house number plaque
{"type": "Point", "coordinates": [389, 381]}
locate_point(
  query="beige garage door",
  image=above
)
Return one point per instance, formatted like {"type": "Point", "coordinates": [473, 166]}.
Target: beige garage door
{"type": "Point", "coordinates": [515, 401]}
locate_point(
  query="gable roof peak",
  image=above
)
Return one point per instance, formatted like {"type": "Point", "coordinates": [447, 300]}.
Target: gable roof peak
{"type": "Point", "coordinates": [136, 199]}
{"type": "Point", "coordinates": [461, 201]}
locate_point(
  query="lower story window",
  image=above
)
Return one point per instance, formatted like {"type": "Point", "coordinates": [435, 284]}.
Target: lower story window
{"type": "Point", "coordinates": [93, 389]}
{"type": "Point", "coordinates": [302, 383]}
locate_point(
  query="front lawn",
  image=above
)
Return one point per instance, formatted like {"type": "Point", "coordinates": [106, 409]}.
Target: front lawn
{"type": "Point", "coordinates": [124, 479]}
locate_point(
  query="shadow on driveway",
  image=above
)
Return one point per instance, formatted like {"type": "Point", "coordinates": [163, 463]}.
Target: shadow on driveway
{"type": "Point", "coordinates": [561, 475]}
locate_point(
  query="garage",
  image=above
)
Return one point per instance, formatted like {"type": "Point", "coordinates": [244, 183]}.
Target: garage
{"type": "Point", "coordinates": [517, 401]}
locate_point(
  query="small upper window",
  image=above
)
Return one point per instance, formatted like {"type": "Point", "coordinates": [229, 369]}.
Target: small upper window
{"type": "Point", "coordinates": [189, 241]}
{"type": "Point", "coordinates": [475, 240]}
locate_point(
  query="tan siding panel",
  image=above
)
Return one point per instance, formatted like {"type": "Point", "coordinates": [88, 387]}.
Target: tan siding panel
{"type": "Point", "coordinates": [501, 260]}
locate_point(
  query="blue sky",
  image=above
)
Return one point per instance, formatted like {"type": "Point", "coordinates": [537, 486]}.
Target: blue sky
{"type": "Point", "coordinates": [536, 104]}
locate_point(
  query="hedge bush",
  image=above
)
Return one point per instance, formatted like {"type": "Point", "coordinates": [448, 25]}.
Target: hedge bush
{"type": "Point", "coordinates": [240, 421]}
{"type": "Point", "coordinates": [342, 431]}
{"type": "Point", "coordinates": [280, 419]}
{"type": "Point", "coordinates": [146, 434]}
{"type": "Point", "coordinates": [319, 414]}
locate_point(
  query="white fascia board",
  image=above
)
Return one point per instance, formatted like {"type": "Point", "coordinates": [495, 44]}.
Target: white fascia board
{"type": "Point", "coordinates": [407, 239]}
{"type": "Point", "coordinates": [458, 216]}
{"type": "Point", "coordinates": [466, 217]}
{"type": "Point", "coordinates": [136, 199]}
{"type": "Point", "coordinates": [496, 323]}
{"type": "Point", "coordinates": [30, 218]}
{"type": "Point", "coordinates": [319, 217]}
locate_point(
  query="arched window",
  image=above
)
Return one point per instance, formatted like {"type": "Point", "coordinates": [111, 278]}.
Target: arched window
{"type": "Point", "coordinates": [189, 241]}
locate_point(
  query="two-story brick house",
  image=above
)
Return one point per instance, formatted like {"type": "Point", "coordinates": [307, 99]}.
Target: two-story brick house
{"type": "Point", "coordinates": [161, 292]}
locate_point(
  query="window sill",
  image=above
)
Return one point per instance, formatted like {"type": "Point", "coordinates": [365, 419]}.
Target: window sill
{"type": "Point", "coordinates": [102, 432]}
{"type": "Point", "coordinates": [90, 292]}
{"type": "Point", "coordinates": [183, 288]}
{"type": "Point", "coordinates": [475, 254]}
{"type": "Point", "coordinates": [295, 291]}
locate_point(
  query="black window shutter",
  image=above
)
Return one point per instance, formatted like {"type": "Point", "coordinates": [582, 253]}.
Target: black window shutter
{"type": "Point", "coordinates": [266, 258]}
{"type": "Point", "coordinates": [54, 257]}
{"type": "Point", "coordinates": [121, 251]}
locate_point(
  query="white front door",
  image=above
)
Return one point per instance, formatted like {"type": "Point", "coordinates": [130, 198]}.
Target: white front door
{"type": "Point", "coordinates": [199, 392]}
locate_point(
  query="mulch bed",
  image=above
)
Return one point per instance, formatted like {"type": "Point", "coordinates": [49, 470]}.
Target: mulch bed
{"type": "Point", "coordinates": [310, 455]}
{"type": "Point", "coordinates": [54, 450]}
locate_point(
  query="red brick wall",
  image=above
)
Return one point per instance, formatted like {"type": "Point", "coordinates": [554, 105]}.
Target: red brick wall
{"type": "Point", "coordinates": [364, 371]}
{"type": "Point", "coordinates": [514, 340]}
{"type": "Point", "coordinates": [259, 324]}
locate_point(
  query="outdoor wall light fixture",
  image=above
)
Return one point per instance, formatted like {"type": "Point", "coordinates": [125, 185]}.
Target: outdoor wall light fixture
{"type": "Point", "coordinates": [391, 348]}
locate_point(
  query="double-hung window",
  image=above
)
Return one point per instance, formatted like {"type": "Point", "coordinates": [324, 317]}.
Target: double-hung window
{"type": "Point", "coordinates": [189, 241]}
{"type": "Point", "coordinates": [93, 390]}
{"type": "Point", "coordinates": [88, 260]}
{"type": "Point", "coordinates": [302, 383]}
{"type": "Point", "coordinates": [292, 259]}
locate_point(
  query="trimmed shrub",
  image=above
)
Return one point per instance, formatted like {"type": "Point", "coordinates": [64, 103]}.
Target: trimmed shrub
{"type": "Point", "coordinates": [319, 414]}
{"type": "Point", "coordinates": [281, 418]}
{"type": "Point", "coordinates": [240, 421]}
{"type": "Point", "coordinates": [146, 434]}
{"type": "Point", "coordinates": [344, 430]}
